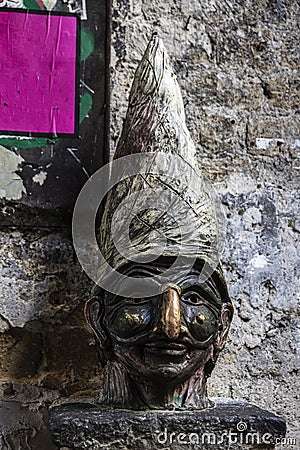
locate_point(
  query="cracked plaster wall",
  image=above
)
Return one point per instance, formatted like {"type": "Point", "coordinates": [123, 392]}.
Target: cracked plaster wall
{"type": "Point", "coordinates": [237, 65]}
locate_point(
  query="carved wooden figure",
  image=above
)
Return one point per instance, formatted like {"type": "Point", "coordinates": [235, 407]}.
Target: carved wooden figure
{"type": "Point", "coordinates": [159, 345]}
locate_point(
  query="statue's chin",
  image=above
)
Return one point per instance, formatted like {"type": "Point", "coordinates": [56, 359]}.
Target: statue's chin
{"type": "Point", "coordinates": [167, 373]}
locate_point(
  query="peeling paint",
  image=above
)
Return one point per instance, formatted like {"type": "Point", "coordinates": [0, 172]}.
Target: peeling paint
{"type": "Point", "coordinates": [87, 44]}
{"type": "Point", "coordinates": [11, 184]}
{"type": "Point", "coordinates": [240, 184]}
{"type": "Point", "coordinates": [40, 178]}
{"type": "Point", "coordinates": [264, 143]}
{"type": "Point", "coordinates": [296, 144]}
{"type": "Point", "coordinates": [259, 262]}
{"type": "Point", "coordinates": [84, 11]}
{"type": "Point", "coordinates": [49, 4]}
{"type": "Point", "coordinates": [12, 4]}
{"type": "Point", "coordinates": [86, 103]}
{"type": "Point", "coordinates": [77, 6]}
{"type": "Point", "coordinates": [25, 142]}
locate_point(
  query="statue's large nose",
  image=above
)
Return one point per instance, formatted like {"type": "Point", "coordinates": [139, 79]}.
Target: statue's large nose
{"type": "Point", "coordinates": [170, 313]}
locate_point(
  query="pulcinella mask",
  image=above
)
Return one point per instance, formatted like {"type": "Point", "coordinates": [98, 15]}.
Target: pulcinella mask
{"type": "Point", "coordinates": [160, 330]}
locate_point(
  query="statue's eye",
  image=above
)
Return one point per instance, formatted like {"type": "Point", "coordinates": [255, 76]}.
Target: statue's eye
{"type": "Point", "coordinates": [202, 321]}
{"type": "Point", "coordinates": [192, 298]}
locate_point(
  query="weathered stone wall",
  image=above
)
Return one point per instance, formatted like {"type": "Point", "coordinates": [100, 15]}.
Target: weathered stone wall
{"type": "Point", "coordinates": [43, 337]}
{"type": "Point", "coordinates": [237, 66]}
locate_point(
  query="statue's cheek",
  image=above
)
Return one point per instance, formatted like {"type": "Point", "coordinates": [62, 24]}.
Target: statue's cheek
{"type": "Point", "coordinates": [131, 322]}
{"type": "Point", "coordinates": [202, 322]}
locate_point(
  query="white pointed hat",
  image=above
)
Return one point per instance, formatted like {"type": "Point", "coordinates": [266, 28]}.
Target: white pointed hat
{"type": "Point", "coordinates": [166, 208]}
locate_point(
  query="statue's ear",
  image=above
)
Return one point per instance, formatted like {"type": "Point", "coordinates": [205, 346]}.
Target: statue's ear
{"type": "Point", "coordinates": [225, 322]}
{"type": "Point", "coordinates": [93, 311]}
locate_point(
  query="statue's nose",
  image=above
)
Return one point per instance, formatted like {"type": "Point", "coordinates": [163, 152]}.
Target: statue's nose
{"type": "Point", "coordinates": [170, 313]}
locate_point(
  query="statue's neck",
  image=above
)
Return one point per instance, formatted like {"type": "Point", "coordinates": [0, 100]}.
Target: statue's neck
{"type": "Point", "coordinates": [120, 390]}
{"type": "Point", "coordinates": [190, 394]}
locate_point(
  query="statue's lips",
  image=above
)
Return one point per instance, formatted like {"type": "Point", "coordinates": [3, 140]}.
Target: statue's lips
{"type": "Point", "coordinates": [166, 348]}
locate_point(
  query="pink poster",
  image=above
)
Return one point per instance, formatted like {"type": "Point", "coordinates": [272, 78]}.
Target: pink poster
{"type": "Point", "coordinates": [38, 73]}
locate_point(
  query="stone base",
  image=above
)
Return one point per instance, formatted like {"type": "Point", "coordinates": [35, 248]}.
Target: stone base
{"type": "Point", "coordinates": [24, 427]}
{"type": "Point", "coordinates": [228, 425]}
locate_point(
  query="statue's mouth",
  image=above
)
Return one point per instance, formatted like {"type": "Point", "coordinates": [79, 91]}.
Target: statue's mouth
{"type": "Point", "coordinates": [166, 348]}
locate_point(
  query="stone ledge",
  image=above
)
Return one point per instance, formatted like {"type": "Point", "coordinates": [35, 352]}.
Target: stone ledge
{"type": "Point", "coordinates": [227, 425]}
{"type": "Point", "coordinates": [24, 426]}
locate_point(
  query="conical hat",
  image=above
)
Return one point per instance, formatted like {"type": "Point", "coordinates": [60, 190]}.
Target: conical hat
{"type": "Point", "coordinates": [166, 208]}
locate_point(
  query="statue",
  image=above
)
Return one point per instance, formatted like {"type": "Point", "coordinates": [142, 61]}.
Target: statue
{"type": "Point", "coordinates": [159, 345]}
{"type": "Point", "coordinates": [160, 310]}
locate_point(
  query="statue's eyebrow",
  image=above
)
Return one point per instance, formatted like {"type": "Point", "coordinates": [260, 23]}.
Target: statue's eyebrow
{"type": "Point", "coordinates": [206, 288]}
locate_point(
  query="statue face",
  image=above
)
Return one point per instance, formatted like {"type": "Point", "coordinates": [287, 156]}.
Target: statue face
{"type": "Point", "coordinates": [167, 337]}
